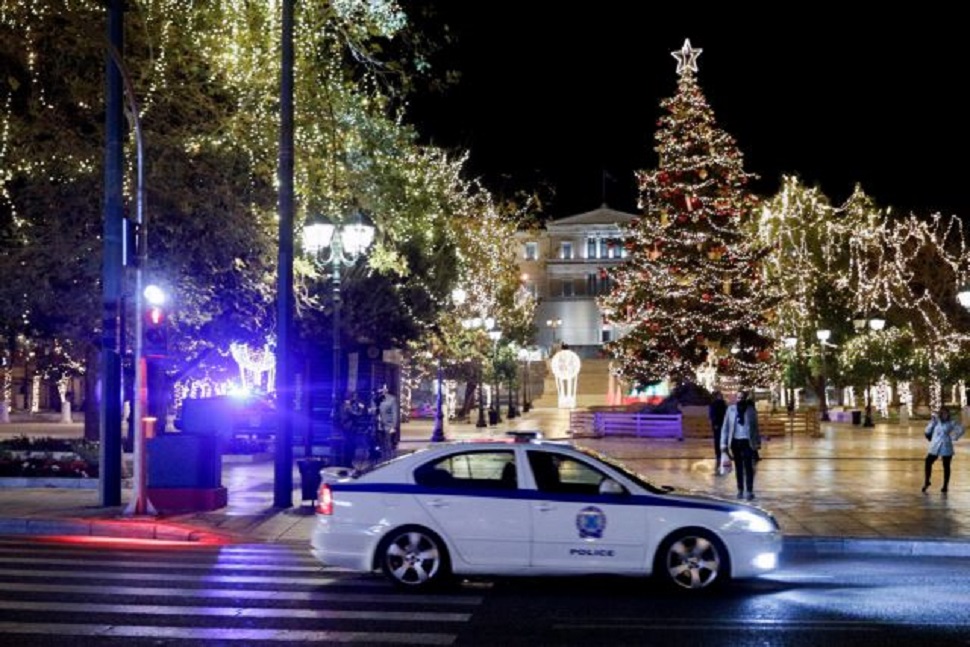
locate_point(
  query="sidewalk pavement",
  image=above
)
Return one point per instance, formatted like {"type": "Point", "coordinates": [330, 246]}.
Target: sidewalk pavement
{"type": "Point", "coordinates": [852, 490]}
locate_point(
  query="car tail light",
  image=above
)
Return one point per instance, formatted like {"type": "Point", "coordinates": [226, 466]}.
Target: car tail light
{"type": "Point", "coordinates": [324, 500]}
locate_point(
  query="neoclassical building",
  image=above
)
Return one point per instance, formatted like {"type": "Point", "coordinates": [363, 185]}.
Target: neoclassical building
{"type": "Point", "coordinates": [562, 265]}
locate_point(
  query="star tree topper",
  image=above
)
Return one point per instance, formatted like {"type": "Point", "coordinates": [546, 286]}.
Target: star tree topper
{"type": "Point", "coordinates": [686, 58]}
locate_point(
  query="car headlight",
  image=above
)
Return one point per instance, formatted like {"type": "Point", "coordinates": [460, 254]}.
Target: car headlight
{"type": "Point", "coordinates": [752, 521]}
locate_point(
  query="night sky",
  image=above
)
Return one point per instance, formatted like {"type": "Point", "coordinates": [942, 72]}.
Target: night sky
{"type": "Point", "coordinates": [553, 93]}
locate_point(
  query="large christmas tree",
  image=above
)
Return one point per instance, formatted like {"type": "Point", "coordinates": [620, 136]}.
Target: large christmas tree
{"type": "Point", "coordinates": [691, 293]}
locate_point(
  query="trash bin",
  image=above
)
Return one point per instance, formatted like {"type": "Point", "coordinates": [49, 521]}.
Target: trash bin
{"type": "Point", "coordinates": [857, 417]}
{"type": "Point", "coordinates": [492, 417]}
{"type": "Point", "coordinates": [310, 477]}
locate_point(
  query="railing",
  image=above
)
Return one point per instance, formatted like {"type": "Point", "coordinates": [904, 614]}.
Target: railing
{"type": "Point", "coordinates": [641, 425]}
{"type": "Point", "coordinates": [799, 422]}
{"type": "Point", "coordinates": [597, 424]}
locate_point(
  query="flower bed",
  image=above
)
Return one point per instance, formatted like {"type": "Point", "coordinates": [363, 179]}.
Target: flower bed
{"type": "Point", "coordinates": [48, 458]}
{"type": "Point", "coordinates": [25, 457]}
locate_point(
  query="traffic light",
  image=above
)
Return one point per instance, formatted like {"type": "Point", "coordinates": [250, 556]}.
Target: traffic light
{"type": "Point", "coordinates": [155, 332]}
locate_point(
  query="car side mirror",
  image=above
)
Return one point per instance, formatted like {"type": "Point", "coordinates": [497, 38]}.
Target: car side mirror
{"type": "Point", "coordinates": [609, 486]}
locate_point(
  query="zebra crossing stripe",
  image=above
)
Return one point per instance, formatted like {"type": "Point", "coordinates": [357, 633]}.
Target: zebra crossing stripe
{"type": "Point", "coordinates": [320, 580]}
{"type": "Point", "coordinates": [233, 594]}
{"type": "Point", "coordinates": [190, 566]}
{"type": "Point", "coordinates": [235, 612]}
{"type": "Point", "coordinates": [189, 552]}
{"type": "Point", "coordinates": [66, 630]}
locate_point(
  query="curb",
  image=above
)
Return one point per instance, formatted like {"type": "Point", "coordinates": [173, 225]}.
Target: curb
{"type": "Point", "coordinates": [876, 546]}
{"type": "Point", "coordinates": [64, 482]}
{"type": "Point", "coordinates": [109, 529]}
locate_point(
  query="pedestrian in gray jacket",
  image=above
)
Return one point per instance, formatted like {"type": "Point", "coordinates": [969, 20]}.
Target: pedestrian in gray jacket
{"type": "Point", "coordinates": [740, 438]}
{"type": "Point", "coordinates": [941, 432]}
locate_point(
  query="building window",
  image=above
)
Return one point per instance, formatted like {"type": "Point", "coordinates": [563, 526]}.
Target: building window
{"type": "Point", "coordinates": [606, 335]}
{"type": "Point", "coordinates": [566, 251]}
{"type": "Point", "coordinates": [567, 289]}
{"type": "Point", "coordinates": [591, 248]}
{"type": "Point", "coordinates": [532, 251]}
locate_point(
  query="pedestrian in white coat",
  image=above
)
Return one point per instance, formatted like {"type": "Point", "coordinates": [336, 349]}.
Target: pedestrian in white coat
{"type": "Point", "coordinates": [941, 432]}
{"type": "Point", "coordinates": [740, 438]}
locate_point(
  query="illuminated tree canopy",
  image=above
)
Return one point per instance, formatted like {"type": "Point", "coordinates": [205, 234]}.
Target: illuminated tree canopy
{"type": "Point", "coordinates": [207, 80]}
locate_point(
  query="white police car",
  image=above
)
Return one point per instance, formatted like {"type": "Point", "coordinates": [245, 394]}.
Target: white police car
{"type": "Point", "coordinates": [533, 507]}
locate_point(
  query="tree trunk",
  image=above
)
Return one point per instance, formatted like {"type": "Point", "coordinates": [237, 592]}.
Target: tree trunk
{"type": "Point", "coordinates": [469, 402]}
{"type": "Point", "coordinates": [818, 383]}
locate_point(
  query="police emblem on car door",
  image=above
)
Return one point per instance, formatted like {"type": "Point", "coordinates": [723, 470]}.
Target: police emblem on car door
{"type": "Point", "coordinates": [577, 524]}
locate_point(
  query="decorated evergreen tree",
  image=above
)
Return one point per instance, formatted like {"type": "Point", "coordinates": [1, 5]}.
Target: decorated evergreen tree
{"type": "Point", "coordinates": [691, 293]}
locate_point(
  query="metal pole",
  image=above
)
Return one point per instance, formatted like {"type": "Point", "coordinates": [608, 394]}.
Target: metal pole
{"type": "Point", "coordinates": [438, 434]}
{"type": "Point", "coordinates": [139, 505]}
{"type": "Point", "coordinates": [496, 397]}
{"type": "Point", "coordinates": [283, 465]}
{"type": "Point", "coordinates": [111, 396]}
{"type": "Point", "coordinates": [335, 332]}
{"type": "Point", "coordinates": [823, 401]}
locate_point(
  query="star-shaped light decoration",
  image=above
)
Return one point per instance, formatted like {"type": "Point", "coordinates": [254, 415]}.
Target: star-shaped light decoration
{"type": "Point", "coordinates": [686, 58]}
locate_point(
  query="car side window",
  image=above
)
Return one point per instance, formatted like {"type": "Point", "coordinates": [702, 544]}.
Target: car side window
{"type": "Point", "coordinates": [474, 470]}
{"type": "Point", "coordinates": [558, 473]}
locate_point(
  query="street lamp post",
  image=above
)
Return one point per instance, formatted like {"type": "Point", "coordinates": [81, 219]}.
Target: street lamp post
{"type": "Point", "coordinates": [347, 244]}
{"type": "Point", "coordinates": [860, 322]}
{"type": "Point", "coordinates": [554, 325]}
{"type": "Point", "coordinates": [823, 337]}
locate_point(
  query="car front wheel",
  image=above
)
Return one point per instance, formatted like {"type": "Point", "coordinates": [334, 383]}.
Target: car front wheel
{"type": "Point", "coordinates": [414, 558]}
{"type": "Point", "coordinates": [692, 559]}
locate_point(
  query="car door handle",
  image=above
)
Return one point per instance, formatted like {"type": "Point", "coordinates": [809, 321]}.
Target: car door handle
{"type": "Point", "coordinates": [438, 503]}
{"type": "Point", "coordinates": [545, 507]}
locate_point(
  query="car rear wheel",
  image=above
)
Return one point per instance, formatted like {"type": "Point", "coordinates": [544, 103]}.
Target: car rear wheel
{"type": "Point", "coordinates": [414, 558]}
{"type": "Point", "coordinates": [692, 559]}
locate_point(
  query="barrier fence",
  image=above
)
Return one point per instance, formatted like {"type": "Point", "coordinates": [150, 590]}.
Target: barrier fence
{"type": "Point", "coordinates": [598, 424]}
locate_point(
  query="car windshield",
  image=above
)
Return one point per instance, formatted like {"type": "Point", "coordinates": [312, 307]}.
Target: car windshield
{"type": "Point", "coordinates": [639, 479]}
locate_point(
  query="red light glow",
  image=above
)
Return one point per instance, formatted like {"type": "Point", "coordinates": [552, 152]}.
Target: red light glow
{"type": "Point", "coordinates": [134, 542]}
{"type": "Point", "coordinates": [324, 500]}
